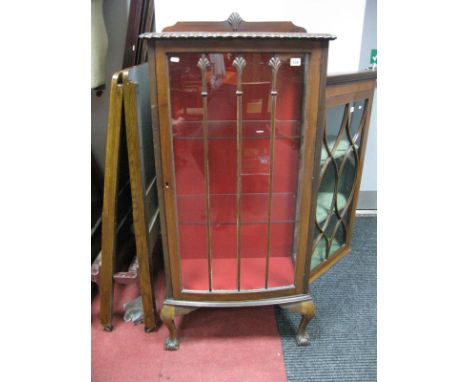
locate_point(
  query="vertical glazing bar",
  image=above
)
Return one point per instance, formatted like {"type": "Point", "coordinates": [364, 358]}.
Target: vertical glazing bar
{"type": "Point", "coordinates": [239, 63]}
{"type": "Point", "coordinates": [275, 63]}
{"type": "Point", "coordinates": [203, 64]}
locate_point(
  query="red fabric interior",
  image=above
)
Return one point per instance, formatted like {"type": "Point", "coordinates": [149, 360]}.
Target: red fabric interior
{"type": "Point", "coordinates": [187, 130]}
{"type": "Point", "coordinates": [195, 273]}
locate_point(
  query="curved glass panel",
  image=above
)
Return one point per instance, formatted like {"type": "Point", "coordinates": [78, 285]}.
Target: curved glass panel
{"type": "Point", "coordinates": [236, 133]}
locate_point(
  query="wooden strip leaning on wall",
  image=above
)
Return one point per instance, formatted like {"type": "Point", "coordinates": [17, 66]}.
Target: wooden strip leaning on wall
{"type": "Point", "coordinates": [140, 218]}
{"type": "Point", "coordinates": [109, 210]}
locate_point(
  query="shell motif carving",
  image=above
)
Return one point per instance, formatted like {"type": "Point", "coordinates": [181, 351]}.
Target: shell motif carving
{"type": "Point", "coordinates": [203, 63]}
{"type": "Point", "coordinates": [239, 63]}
{"type": "Point", "coordinates": [234, 20]}
{"type": "Point", "coordinates": [275, 63]}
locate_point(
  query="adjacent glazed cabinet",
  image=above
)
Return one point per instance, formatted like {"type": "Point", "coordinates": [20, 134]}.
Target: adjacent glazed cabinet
{"type": "Point", "coordinates": [255, 190]}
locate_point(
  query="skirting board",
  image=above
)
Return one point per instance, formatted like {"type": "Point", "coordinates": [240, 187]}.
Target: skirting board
{"type": "Point", "coordinates": [367, 200]}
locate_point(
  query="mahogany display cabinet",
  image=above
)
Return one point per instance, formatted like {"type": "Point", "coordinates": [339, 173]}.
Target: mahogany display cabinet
{"type": "Point", "coordinates": [242, 153]}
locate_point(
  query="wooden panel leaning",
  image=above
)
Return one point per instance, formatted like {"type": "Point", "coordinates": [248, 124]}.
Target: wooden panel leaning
{"type": "Point", "coordinates": [130, 93]}
{"type": "Point", "coordinates": [109, 208]}
{"type": "Point", "coordinates": [138, 128]}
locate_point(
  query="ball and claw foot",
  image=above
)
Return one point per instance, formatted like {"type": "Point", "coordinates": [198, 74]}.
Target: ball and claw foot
{"type": "Point", "coordinates": [168, 313]}
{"type": "Point", "coordinates": [303, 339]}
{"type": "Point", "coordinates": [172, 344]}
{"type": "Point", "coordinates": [307, 310]}
{"type": "Point", "coordinates": [108, 328]}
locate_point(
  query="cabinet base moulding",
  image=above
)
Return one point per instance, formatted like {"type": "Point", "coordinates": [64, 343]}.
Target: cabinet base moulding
{"type": "Point", "coordinates": [305, 307]}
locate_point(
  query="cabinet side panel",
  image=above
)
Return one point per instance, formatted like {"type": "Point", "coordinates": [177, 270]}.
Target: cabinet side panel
{"type": "Point", "coordinates": [159, 171]}
{"type": "Point", "coordinates": [342, 145]}
{"type": "Point", "coordinates": [316, 76]}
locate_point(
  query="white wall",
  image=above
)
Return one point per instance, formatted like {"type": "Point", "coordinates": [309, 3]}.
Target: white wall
{"type": "Point", "coordinates": [369, 41]}
{"type": "Point", "coordinates": [115, 18]}
{"type": "Point", "coordinates": [340, 17]}
{"type": "Point", "coordinates": [354, 22]}
{"type": "Point", "coordinates": [343, 18]}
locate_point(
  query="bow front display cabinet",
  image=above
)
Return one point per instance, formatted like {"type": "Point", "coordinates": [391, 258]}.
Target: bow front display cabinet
{"type": "Point", "coordinates": [242, 153]}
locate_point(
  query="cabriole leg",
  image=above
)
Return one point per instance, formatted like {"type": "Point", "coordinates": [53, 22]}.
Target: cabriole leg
{"type": "Point", "coordinates": [167, 317]}
{"type": "Point", "coordinates": [307, 311]}
{"type": "Point", "coordinates": [168, 313]}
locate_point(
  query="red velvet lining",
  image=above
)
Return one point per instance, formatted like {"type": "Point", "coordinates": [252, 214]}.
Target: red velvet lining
{"type": "Point", "coordinates": [195, 273]}
{"type": "Point", "coordinates": [187, 129]}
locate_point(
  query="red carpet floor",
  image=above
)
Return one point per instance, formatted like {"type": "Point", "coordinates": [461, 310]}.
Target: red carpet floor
{"type": "Point", "coordinates": [232, 345]}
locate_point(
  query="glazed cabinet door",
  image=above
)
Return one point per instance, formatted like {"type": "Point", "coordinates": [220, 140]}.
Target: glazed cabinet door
{"type": "Point", "coordinates": [348, 107]}
{"type": "Point", "coordinates": [235, 137]}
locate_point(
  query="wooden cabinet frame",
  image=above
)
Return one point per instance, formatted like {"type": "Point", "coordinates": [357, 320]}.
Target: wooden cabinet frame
{"type": "Point", "coordinates": [315, 49]}
{"type": "Point", "coordinates": [315, 84]}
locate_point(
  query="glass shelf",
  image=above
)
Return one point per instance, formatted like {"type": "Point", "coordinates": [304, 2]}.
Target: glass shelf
{"type": "Point", "coordinates": [227, 129]}
{"type": "Point", "coordinates": [223, 208]}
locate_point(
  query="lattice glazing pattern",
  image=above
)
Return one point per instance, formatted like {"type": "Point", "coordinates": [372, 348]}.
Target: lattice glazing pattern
{"type": "Point", "coordinates": [340, 159]}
